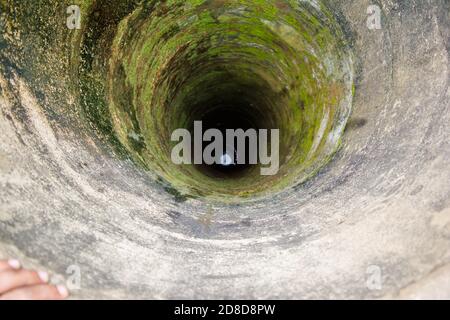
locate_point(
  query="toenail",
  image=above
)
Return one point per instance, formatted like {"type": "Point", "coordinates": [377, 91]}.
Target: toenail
{"type": "Point", "coordinates": [62, 291]}
{"type": "Point", "coordinates": [43, 276]}
{"type": "Point", "coordinates": [15, 264]}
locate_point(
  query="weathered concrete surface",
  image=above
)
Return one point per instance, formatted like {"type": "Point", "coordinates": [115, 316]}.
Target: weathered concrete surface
{"type": "Point", "coordinates": [384, 200]}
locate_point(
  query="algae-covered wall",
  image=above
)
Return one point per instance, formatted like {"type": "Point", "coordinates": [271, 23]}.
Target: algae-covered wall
{"type": "Point", "coordinates": [139, 70]}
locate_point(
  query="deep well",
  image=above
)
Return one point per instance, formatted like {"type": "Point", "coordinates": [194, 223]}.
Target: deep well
{"type": "Point", "coordinates": [363, 188]}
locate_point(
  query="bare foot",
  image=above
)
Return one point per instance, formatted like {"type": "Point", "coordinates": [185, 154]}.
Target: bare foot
{"type": "Point", "coordinates": [21, 284]}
